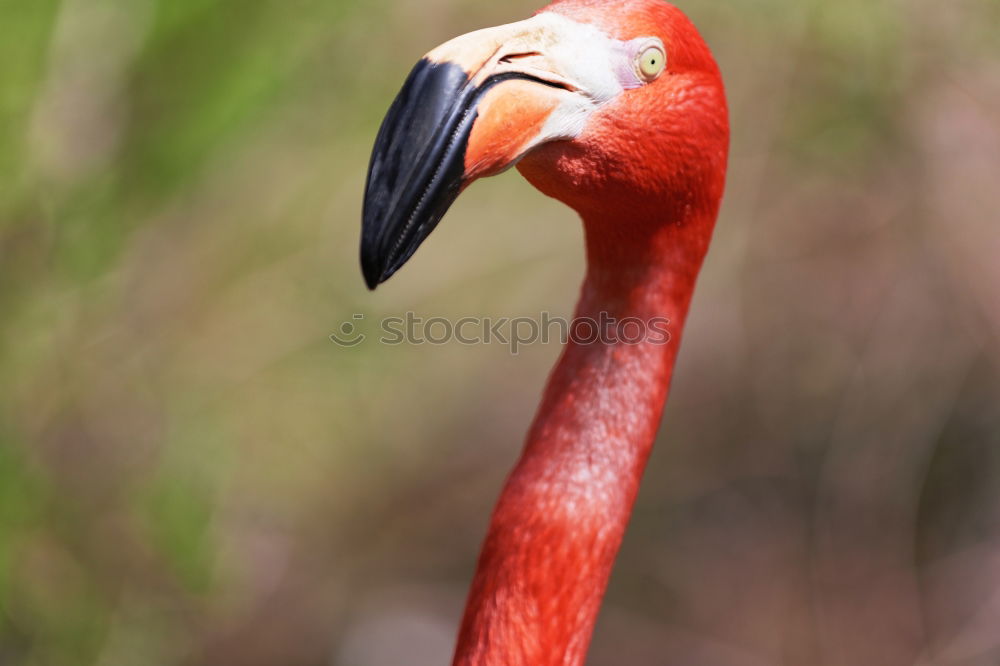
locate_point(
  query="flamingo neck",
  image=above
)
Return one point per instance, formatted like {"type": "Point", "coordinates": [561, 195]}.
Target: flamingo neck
{"type": "Point", "coordinates": [560, 519]}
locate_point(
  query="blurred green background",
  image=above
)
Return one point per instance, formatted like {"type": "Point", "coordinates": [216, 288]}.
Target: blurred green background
{"type": "Point", "coordinates": [192, 473]}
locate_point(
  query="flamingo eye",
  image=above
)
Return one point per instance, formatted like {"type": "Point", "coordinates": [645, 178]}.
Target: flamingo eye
{"type": "Point", "coordinates": [651, 62]}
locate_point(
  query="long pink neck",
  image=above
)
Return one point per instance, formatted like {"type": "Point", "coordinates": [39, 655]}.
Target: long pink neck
{"type": "Point", "coordinates": [561, 516]}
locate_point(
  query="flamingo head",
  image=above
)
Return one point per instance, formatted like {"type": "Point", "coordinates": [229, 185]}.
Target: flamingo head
{"type": "Point", "coordinates": [615, 107]}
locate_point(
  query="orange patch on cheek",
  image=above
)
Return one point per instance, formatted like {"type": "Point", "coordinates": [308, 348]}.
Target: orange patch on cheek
{"type": "Point", "coordinates": [511, 115]}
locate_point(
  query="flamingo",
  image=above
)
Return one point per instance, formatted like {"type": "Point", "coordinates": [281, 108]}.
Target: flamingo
{"type": "Point", "coordinates": [617, 109]}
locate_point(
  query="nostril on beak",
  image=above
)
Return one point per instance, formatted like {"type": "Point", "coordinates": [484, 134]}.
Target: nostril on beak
{"type": "Point", "coordinates": [511, 57]}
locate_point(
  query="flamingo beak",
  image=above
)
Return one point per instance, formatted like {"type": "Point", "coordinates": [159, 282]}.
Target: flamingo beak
{"type": "Point", "coordinates": [472, 108]}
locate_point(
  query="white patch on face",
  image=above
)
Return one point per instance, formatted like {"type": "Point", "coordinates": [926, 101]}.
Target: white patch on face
{"type": "Point", "coordinates": [579, 56]}
{"type": "Point", "coordinates": [586, 55]}
{"type": "Point", "coordinates": [598, 67]}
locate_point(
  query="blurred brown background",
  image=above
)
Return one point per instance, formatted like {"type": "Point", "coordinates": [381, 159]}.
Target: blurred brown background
{"type": "Point", "coordinates": [192, 473]}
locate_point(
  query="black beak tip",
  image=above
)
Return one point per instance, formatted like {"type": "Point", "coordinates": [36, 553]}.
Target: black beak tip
{"type": "Point", "coordinates": [372, 270]}
{"type": "Point", "coordinates": [417, 165]}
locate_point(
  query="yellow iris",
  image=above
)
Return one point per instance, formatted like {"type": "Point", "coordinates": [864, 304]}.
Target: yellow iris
{"type": "Point", "coordinates": [651, 63]}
